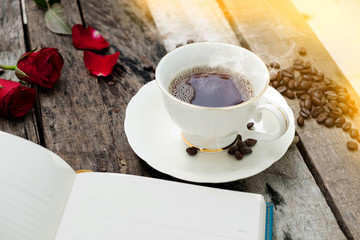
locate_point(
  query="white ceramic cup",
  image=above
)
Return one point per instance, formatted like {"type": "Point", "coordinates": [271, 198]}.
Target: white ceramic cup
{"type": "Point", "coordinates": [214, 128]}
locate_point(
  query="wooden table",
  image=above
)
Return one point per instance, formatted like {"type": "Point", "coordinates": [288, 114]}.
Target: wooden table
{"type": "Point", "coordinates": [315, 186]}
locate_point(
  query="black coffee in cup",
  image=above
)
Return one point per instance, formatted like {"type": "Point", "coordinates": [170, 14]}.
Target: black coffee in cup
{"type": "Point", "coordinates": [211, 87]}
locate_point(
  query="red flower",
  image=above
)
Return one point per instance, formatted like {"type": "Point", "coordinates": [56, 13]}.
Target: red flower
{"type": "Point", "coordinates": [88, 38]}
{"type": "Point", "coordinates": [100, 65]}
{"type": "Point", "coordinates": [42, 67]}
{"type": "Point", "coordinates": [15, 100]}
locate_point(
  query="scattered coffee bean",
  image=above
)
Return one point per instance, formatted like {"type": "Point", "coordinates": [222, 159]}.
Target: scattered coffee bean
{"type": "Point", "coordinates": [352, 145]}
{"type": "Point", "coordinates": [298, 61]}
{"type": "Point", "coordinates": [178, 45]}
{"type": "Point", "coordinates": [275, 65]}
{"type": "Point", "coordinates": [322, 117]}
{"type": "Point", "coordinates": [192, 151]}
{"type": "Point", "coordinates": [304, 112]}
{"type": "Point", "coordinates": [344, 108]}
{"type": "Point", "coordinates": [354, 133]}
{"type": "Point", "coordinates": [339, 121]}
{"type": "Point", "coordinates": [250, 125]}
{"type": "Point", "coordinates": [250, 142]}
{"type": "Point", "coordinates": [238, 155]}
{"type": "Point", "coordinates": [302, 51]}
{"type": "Point", "coordinates": [290, 94]}
{"type": "Point", "coordinates": [233, 149]}
{"type": "Point", "coordinates": [190, 41]}
{"type": "Point", "coordinates": [300, 121]}
{"type": "Point", "coordinates": [316, 111]}
{"type": "Point", "coordinates": [111, 83]}
{"type": "Point", "coordinates": [305, 85]}
{"type": "Point", "coordinates": [316, 101]}
{"type": "Point", "coordinates": [308, 104]}
{"type": "Point", "coordinates": [346, 126]}
{"type": "Point", "coordinates": [298, 66]}
{"type": "Point", "coordinates": [148, 67]}
{"type": "Point", "coordinates": [239, 137]}
{"type": "Point", "coordinates": [241, 144]}
{"type": "Point", "coordinates": [282, 89]}
{"type": "Point", "coordinates": [329, 122]}
{"type": "Point", "coordinates": [245, 150]}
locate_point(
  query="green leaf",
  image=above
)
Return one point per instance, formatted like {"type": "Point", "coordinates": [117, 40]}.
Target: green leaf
{"type": "Point", "coordinates": [20, 74]}
{"type": "Point", "coordinates": [1, 87]}
{"type": "Point", "coordinates": [42, 3]}
{"type": "Point", "coordinates": [55, 20]}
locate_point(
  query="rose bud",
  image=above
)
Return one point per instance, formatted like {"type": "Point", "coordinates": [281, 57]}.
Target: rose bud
{"type": "Point", "coordinates": [15, 100]}
{"type": "Point", "coordinates": [42, 67]}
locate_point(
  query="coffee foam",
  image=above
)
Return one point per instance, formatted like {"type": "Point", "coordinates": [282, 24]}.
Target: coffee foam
{"type": "Point", "coordinates": [181, 89]}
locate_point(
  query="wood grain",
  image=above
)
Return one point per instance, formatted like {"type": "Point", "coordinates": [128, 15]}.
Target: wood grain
{"type": "Point", "coordinates": [129, 28]}
{"type": "Point", "coordinates": [301, 211]}
{"type": "Point", "coordinates": [73, 114]}
{"type": "Point", "coordinates": [12, 46]}
{"type": "Point", "coordinates": [275, 30]}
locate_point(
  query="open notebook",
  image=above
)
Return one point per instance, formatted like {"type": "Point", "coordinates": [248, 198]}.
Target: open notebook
{"type": "Point", "coordinates": [42, 198]}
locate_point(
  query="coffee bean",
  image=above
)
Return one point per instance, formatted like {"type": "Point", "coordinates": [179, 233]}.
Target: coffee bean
{"type": "Point", "coordinates": [354, 133]}
{"type": "Point", "coordinates": [298, 66]}
{"type": "Point", "coordinates": [245, 150]}
{"type": "Point", "coordinates": [304, 112]}
{"type": "Point", "coordinates": [314, 71]}
{"type": "Point", "coordinates": [275, 65]}
{"type": "Point", "coordinates": [307, 65]}
{"type": "Point", "coordinates": [238, 155]}
{"type": "Point", "coordinates": [282, 89]}
{"type": "Point", "coordinates": [192, 151]}
{"type": "Point", "coordinates": [290, 94]}
{"type": "Point", "coordinates": [300, 121]}
{"type": "Point", "coordinates": [305, 96]}
{"type": "Point", "coordinates": [312, 90]}
{"type": "Point", "coordinates": [323, 87]}
{"type": "Point", "coordinates": [307, 104]}
{"type": "Point", "coordinates": [316, 101]}
{"type": "Point", "coordinates": [339, 121]}
{"type": "Point", "coordinates": [178, 45]}
{"type": "Point", "coordinates": [250, 125]}
{"type": "Point", "coordinates": [329, 122]}
{"type": "Point", "coordinates": [351, 113]}
{"type": "Point", "coordinates": [275, 84]}
{"type": "Point", "coordinates": [320, 75]}
{"type": "Point", "coordinates": [111, 83]}
{"type": "Point", "coordinates": [148, 67]}
{"type": "Point", "coordinates": [351, 145]}
{"type": "Point", "coordinates": [305, 85]}
{"type": "Point", "coordinates": [346, 126]}
{"type": "Point", "coordinates": [302, 51]}
{"type": "Point", "coordinates": [316, 78]}
{"type": "Point", "coordinates": [302, 104]}
{"type": "Point", "coordinates": [298, 61]}
{"type": "Point", "coordinates": [239, 137]}
{"type": "Point", "coordinates": [250, 142]}
{"type": "Point", "coordinates": [335, 114]}
{"type": "Point", "coordinates": [343, 97]}
{"type": "Point", "coordinates": [190, 41]}
{"type": "Point", "coordinates": [287, 74]}
{"type": "Point", "coordinates": [299, 93]}
{"type": "Point", "coordinates": [285, 81]}
{"type": "Point", "coordinates": [241, 144]}
{"type": "Point", "coordinates": [291, 84]}
{"type": "Point", "coordinates": [331, 106]}
{"type": "Point", "coordinates": [318, 94]}
{"type": "Point", "coordinates": [344, 108]}
{"type": "Point", "coordinates": [322, 117]}
{"type": "Point", "coordinates": [317, 111]}
{"type": "Point", "coordinates": [233, 149]}
{"type": "Point", "coordinates": [305, 71]}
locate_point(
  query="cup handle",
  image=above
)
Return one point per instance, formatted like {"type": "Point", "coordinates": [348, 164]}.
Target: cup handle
{"type": "Point", "coordinates": [281, 116]}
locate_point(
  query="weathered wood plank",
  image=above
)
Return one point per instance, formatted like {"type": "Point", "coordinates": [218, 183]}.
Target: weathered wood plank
{"type": "Point", "coordinates": [275, 30]}
{"type": "Point", "coordinates": [12, 46]}
{"type": "Point", "coordinates": [73, 114]}
{"type": "Point", "coordinates": [129, 28]}
{"type": "Point", "coordinates": [288, 183]}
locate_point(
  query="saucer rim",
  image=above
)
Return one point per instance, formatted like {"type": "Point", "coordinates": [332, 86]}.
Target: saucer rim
{"type": "Point", "coordinates": [189, 176]}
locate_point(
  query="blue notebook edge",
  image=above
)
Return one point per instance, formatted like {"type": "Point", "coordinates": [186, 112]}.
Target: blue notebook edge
{"type": "Point", "coordinates": [269, 221]}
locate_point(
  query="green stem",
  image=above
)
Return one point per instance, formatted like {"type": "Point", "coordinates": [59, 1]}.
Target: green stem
{"type": "Point", "coordinates": [6, 67]}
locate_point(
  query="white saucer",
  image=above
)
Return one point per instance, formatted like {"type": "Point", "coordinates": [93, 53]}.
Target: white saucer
{"type": "Point", "coordinates": [157, 140]}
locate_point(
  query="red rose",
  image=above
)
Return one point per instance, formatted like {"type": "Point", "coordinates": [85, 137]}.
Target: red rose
{"type": "Point", "coordinates": [15, 100]}
{"type": "Point", "coordinates": [42, 67]}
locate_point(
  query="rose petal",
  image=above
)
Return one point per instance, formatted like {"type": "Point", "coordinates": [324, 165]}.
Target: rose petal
{"type": "Point", "coordinates": [100, 65]}
{"type": "Point", "coordinates": [88, 38]}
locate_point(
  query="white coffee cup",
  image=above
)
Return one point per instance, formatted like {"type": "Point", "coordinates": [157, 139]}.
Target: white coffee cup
{"type": "Point", "coordinates": [215, 128]}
